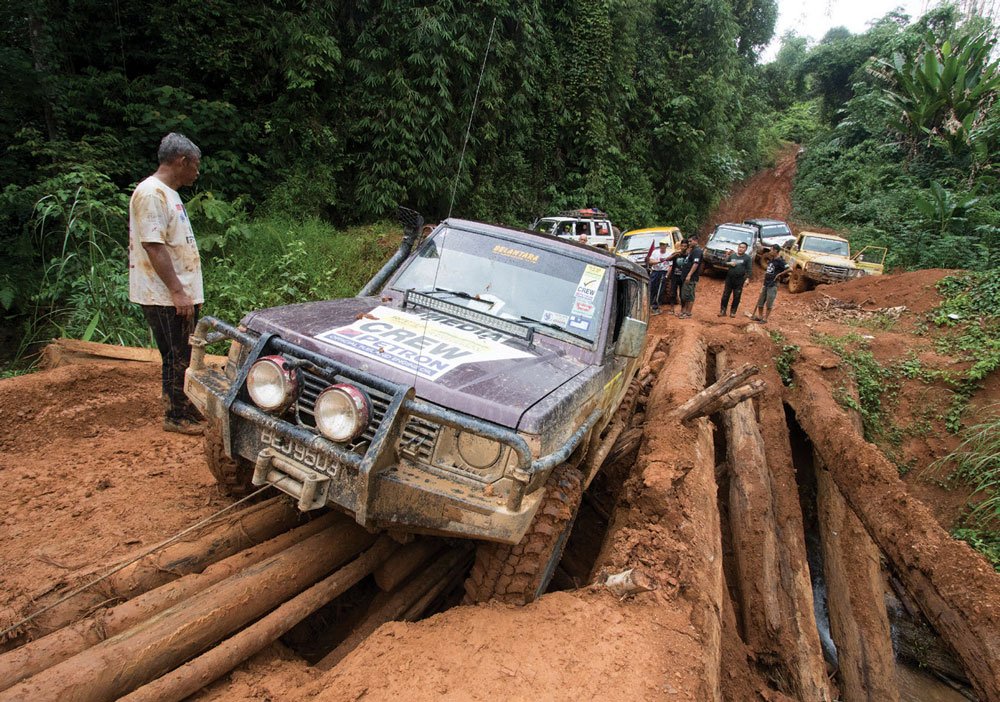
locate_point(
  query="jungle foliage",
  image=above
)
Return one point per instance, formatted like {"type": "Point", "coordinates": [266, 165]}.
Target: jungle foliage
{"type": "Point", "coordinates": [339, 111]}
{"type": "Point", "coordinates": [906, 136]}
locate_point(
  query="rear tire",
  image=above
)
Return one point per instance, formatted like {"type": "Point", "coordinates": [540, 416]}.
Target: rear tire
{"type": "Point", "coordinates": [797, 282]}
{"type": "Point", "coordinates": [519, 574]}
{"type": "Point", "coordinates": [234, 475]}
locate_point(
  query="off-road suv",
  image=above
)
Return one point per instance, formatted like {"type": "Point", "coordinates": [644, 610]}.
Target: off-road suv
{"type": "Point", "coordinates": [815, 258]}
{"type": "Point", "coordinates": [725, 238]}
{"type": "Point", "coordinates": [571, 224]}
{"type": "Point", "coordinates": [772, 232]}
{"type": "Point", "coordinates": [465, 392]}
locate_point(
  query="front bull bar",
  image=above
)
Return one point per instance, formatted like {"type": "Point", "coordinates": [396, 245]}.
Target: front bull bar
{"type": "Point", "coordinates": [527, 474]}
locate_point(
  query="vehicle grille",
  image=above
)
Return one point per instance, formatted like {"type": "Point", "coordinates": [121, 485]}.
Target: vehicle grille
{"type": "Point", "coordinates": [715, 255]}
{"type": "Point", "coordinates": [838, 272]}
{"type": "Point", "coordinates": [418, 437]}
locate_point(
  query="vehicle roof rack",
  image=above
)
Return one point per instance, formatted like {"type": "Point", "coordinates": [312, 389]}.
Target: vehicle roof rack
{"type": "Point", "coordinates": [585, 213]}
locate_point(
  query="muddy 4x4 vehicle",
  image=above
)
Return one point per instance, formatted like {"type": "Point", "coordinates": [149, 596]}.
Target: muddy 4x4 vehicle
{"type": "Point", "coordinates": [465, 392]}
{"type": "Point", "coordinates": [726, 238]}
{"type": "Point", "coordinates": [637, 244]}
{"type": "Point", "coordinates": [572, 224]}
{"type": "Point", "coordinates": [826, 258]}
{"type": "Point", "coordinates": [772, 232]}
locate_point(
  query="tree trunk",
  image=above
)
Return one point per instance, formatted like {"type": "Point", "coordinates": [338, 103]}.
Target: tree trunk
{"type": "Point", "coordinates": [858, 619]}
{"type": "Point", "coordinates": [953, 586]}
{"type": "Point", "coordinates": [148, 650]}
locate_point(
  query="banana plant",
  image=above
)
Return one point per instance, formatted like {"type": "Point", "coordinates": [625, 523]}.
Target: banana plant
{"type": "Point", "coordinates": [943, 94]}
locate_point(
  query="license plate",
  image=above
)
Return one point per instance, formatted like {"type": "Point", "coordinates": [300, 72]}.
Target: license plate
{"type": "Point", "coordinates": [298, 452]}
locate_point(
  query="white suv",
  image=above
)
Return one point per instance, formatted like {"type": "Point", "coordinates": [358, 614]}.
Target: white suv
{"type": "Point", "coordinates": [576, 223]}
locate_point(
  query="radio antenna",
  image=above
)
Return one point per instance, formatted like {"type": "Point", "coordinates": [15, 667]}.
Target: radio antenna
{"type": "Point", "coordinates": [468, 130]}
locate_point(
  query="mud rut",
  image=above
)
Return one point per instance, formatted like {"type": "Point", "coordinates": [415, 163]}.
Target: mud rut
{"type": "Point", "coordinates": [713, 512]}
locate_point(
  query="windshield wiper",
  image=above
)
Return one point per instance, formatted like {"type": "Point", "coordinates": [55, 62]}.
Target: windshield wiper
{"type": "Point", "coordinates": [455, 293]}
{"type": "Point", "coordinates": [552, 325]}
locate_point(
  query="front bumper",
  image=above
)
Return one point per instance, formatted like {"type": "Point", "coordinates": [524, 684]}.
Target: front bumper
{"type": "Point", "coordinates": [375, 483]}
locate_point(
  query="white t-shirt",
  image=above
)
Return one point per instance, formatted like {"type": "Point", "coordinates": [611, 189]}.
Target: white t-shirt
{"type": "Point", "coordinates": [658, 259]}
{"type": "Point", "coordinates": [157, 215]}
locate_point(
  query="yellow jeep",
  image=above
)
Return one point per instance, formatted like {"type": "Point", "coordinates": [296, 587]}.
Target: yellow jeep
{"type": "Point", "coordinates": [815, 258]}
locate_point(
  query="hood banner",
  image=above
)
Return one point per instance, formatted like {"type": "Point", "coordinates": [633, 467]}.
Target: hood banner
{"type": "Point", "coordinates": [428, 344]}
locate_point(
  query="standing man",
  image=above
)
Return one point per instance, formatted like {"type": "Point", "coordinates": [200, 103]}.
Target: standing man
{"type": "Point", "coordinates": [740, 271]}
{"type": "Point", "coordinates": [657, 261]}
{"type": "Point", "coordinates": [165, 271]}
{"type": "Point", "coordinates": [678, 267]}
{"type": "Point", "coordinates": [691, 276]}
{"type": "Point", "coordinates": [775, 271]}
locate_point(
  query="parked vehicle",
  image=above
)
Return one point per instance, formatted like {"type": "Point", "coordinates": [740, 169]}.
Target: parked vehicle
{"type": "Point", "coordinates": [571, 224]}
{"type": "Point", "coordinates": [725, 238]}
{"type": "Point", "coordinates": [772, 232]}
{"type": "Point", "coordinates": [464, 392]}
{"type": "Point", "coordinates": [636, 244]}
{"type": "Point", "coordinates": [815, 258]}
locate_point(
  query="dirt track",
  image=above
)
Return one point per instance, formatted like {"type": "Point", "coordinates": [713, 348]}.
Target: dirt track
{"type": "Point", "coordinates": [89, 477]}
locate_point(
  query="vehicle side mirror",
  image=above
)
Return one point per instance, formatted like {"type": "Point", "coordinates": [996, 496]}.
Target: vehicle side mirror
{"type": "Point", "coordinates": [632, 338]}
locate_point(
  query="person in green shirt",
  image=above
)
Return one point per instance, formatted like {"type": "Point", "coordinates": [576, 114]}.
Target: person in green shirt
{"type": "Point", "coordinates": [740, 270]}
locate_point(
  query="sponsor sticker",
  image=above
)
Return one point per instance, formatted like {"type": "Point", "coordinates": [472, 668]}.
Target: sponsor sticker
{"type": "Point", "coordinates": [584, 309]}
{"type": "Point", "coordinates": [579, 323]}
{"type": "Point", "coordinates": [591, 279]}
{"type": "Point", "coordinates": [550, 317]}
{"type": "Point", "coordinates": [515, 253]}
{"type": "Point", "coordinates": [428, 344]}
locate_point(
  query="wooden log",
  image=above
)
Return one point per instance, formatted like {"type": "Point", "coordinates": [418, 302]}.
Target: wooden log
{"type": "Point", "coordinates": [452, 579]}
{"type": "Point", "coordinates": [695, 406]}
{"type": "Point", "coordinates": [213, 664]}
{"type": "Point", "coordinates": [37, 655]}
{"type": "Point", "coordinates": [217, 540]}
{"type": "Point", "coordinates": [393, 605]}
{"type": "Point", "coordinates": [628, 582]}
{"type": "Point", "coordinates": [766, 493]}
{"type": "Point", "coordinates": [858, 621]}
{"type": "Point", "coordinates": [954, 587]}
{"type": "Point", "coordinates": [734, 397]}
{"type": "Point", "coordinates": [404, 562]}
{"type": "Point", "coordinates": [152, 648]}
{"type": "Point", "coordinates": [62, 352]}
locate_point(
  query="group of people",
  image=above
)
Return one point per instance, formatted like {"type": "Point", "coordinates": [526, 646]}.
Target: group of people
{"type": "Point", "coordinates": [676, 274]}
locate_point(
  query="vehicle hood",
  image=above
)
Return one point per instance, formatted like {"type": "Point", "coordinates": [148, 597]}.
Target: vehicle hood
{"type": "Point", "coordinates": [498, 382]}
{"type": "Point", "coordinates": [778, 239]}
{"type": "Point", "coordinates": [827, 260]}
{"type": "Point", "coordinates": [720, 246]}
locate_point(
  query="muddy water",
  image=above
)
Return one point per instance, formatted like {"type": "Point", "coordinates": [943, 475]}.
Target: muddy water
{"type": "Point", "coordinates": [917, 686]}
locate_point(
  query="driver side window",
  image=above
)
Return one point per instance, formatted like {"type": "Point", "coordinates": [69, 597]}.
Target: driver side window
{"type": "Point", "coordinates": [630, 301]}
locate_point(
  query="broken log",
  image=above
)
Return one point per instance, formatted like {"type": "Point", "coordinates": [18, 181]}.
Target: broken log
{"type": "Point", "coordinates": [858, 621]}
{"type": "Point", "coordinates": [215, 541]}
{"type": "Point", "coordinates": [764, 565]}
{"type": "Point", "coordinates": [37, 655]}
{"type": "Point", "coordinates": [696, 406]}
{"type": "Point", "coordinates": [404, 562]}
{"type": "Point", "coordinates": [954, 587]}
{"type": "Point", "coordinates": [389, 606]}
{"type": "Point", "coordinates": [628, 582]}
{"type": "Point", "coordinates": [196, 674]}
{"type": "Point", "coordinates": [156, 646]}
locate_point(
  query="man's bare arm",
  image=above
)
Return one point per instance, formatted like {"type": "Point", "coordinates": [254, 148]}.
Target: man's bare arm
{"type": "Point", "coordinates": [164, 268]}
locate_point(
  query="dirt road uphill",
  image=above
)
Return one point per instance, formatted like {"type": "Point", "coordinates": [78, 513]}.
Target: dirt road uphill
{"type": "Point", "coordinates": [721, 515]}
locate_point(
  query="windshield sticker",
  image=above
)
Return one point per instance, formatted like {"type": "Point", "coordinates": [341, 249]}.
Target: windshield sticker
{"type": "Point", "coordinates": [590, 281]}
{"type": "Point", "coordinates": [428, 345]}
{"type": "Point", "coordinates": [515, 253]}
{"type": "Point", "coordinates": [584, 309]}
{"type": "Point", "coordinates": [578, 322]}
{"type": "Point", "coordinates": [550, 317]}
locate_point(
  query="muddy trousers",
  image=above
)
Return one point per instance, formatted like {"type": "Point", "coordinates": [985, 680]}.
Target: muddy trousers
{"type": "Point", "coordinates": [171, 332]}
{"type": "Point", "coordinates": [657, 281]}
{"type": "Point", "coordinates": [734, 288]}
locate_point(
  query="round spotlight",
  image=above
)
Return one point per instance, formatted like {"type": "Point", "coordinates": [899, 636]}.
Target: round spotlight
{"type": "Point", "coordinates": [478, 451]}
{"type": "Point", "coordinates": [272, 385]}
{"type": "Point", "coordinates": [342, 412]}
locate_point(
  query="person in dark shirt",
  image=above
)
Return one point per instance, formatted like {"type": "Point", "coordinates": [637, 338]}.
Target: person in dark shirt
{"type": "Point", "coordinates": [776, 270]}
{"type": "Point", "coordinates": [740, 271]}
{"type": "Point", "coordinates": [690, 277]}
{"type": "Point", "coordinates": [675, 278]}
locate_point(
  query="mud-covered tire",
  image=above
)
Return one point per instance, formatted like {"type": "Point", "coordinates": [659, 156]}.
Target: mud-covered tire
{"type": "Point", "coordinates": [519, 574]}
{"type": "Point", "coordinates": [235, 476]}
{"type": "Point", "coordinates": [797, 282]}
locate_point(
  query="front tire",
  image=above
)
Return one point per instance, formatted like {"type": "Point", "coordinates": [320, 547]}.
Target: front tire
{"type": "Point", "coordinates": [520, 574]}
{"type": "Point", "coordinates": [234, 475]}
{"type": "Point", "coordinates": [797, 282]}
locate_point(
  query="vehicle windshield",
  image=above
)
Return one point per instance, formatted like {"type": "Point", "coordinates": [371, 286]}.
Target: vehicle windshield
{"type": "Point", "coordinates": [545, 226]}
{"type": "Point", "coordinates": [554, 293]}
{"type": "Point", "coordinates": [775, 230]}
{"type": "Point", "coordinates": [642, 242]}
{"type": "Point", "coordinates": [733, 236]}
{"type": "Point", "coordinates": [826, 246]}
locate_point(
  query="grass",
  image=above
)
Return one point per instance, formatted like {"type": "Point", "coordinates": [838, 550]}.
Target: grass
{"type": "Point", "coordinates": [787, 356]}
